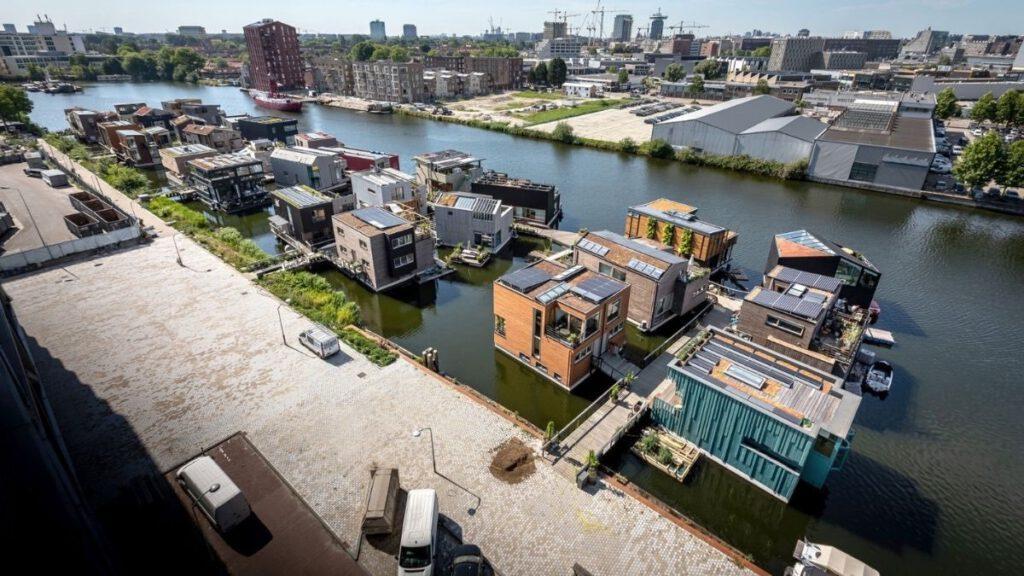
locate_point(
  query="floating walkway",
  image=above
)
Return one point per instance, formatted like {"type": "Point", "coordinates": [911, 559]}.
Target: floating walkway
{"type": "Point", "coordinates": [684, 453]}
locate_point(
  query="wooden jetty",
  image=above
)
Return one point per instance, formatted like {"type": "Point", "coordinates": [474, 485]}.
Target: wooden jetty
{"type": "Point", "coordinates": [684, 453]}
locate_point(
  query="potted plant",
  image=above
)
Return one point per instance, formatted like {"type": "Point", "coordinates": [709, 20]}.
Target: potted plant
{"type": "Point", "coordinates": [614, 394]}
{"type": "Point", "coordinates": [592, 464]}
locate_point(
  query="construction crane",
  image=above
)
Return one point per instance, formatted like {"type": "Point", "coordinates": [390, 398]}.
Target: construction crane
{"type": "Point", "coordinates": [688, 26]}
{"type": "Point", "coordinates": [602, 11]}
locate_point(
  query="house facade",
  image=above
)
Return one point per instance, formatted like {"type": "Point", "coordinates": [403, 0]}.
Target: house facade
{"type": "Point", "coordinates": [228, 182]}
{"type": "Point", "coordinates": [447, 170]}
{"type": "Point", "coordinates": [302, 214]}
{"type": "Point", "coordinates": [381, 249]}
{"type": "Point", "coordinates": [559, 320]}
{"type": "Point", "coordinates": [677, 225]}
{"type": "Point", "coordinates": [388, 186]}
{"type": "Point", "coordinates": [531, 202]}
{"type": "Point", "coordinates": [471, 220]}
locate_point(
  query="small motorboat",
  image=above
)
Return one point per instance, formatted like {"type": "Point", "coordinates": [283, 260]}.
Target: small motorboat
{"type": "Point", "coordinates": [879, 377]}
{"type": "Point", "coordinates": [821, 560]}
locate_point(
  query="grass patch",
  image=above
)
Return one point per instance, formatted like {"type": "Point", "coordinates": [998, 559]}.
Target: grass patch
{"type": "Point", "coordinates": [539, 95]}
{"type": "Point", "coordinates": [587, 107]}
{"type": "Point", "coordinates": [227, 243]}
{"type": "Point", "coordinates": [316, 299]}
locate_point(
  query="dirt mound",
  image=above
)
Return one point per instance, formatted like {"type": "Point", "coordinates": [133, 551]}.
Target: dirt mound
{"type": "Point", "coordinates": [513, 461]}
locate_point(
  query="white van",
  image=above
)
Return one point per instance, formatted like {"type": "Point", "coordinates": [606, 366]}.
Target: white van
{"type": "Point", "coordinates": [320, 340]}
{"type": "Point", "coordinates": [419, 534]}
{"type": "Point", "coordinates": [215, 493]}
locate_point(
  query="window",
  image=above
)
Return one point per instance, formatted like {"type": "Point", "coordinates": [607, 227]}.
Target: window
{"type": "Point", "coordinates": [613, 310]}
{"type": "Point", "coordinates": [499, 325]}
{"type": "Point", "coordinates": [785, 325]}
{"type": "Point", "coordinates": [583, 353]}
{"type": "Point", "coordinates": [538, 328]}
{"type": "Point", "coordinates": [869, 279]}
{"type": "Point", "coordinates": [340, 230]}
{"type": "Point", "coordinates": [825, 445]}
{"type": "Point", "coordinates": [404, 260]}
{"type": "Point", "coordinates": [362, 244]}
{"type": "Point", "coordinates": [848, 273]}
{"type": "Point", "coordinates": [592, 323]}
{"type": "Point", "coordinates": [319, 215]}
{"type": "Point", "coordinates": [618, 328]}
{"type": "Point", "coordinates": [862, 172]}
{"type": "Point", "coordinates": [399, 241]}
{"type": "Point", "coordinates": [541, 368]}
{"type": "Point", "coordinates": [611, 271]}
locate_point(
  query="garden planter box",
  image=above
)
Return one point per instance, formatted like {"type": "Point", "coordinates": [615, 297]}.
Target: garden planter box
{"type": "Point", "coordinates": [82, 225]}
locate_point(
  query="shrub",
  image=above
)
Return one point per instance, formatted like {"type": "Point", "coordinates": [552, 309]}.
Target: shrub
{"type": "Point", "coordinates": [373, 351]}
{"type": "Point", "coordinates": [664, 456]}
{"type": "Point", "coordinates": [563, 133]}
{"type": "Point", "coordinates": [650, 444]}
{"type": "Point", "coordinates": [628, 145]}
{"type": "Point", "coordinates": [652, 229]}
{"type": "Point", "coordinates": [660, 149]}
{"type": "Point", "coordinates": [668, 233]}
{"type": "Point", "coordinates": [549, 430]}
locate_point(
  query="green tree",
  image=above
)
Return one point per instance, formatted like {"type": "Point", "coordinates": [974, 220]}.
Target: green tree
{"type": "Point", "coordinates": [35, 72]}
{"type": "Point", "coordinates": [762, 87]}
{"type": "Point", "coordinates": [15, 104]}
{"type": "Point", "coordinates": [982, 161]}
{"type": "Point", "coordinates": [652, 229]}
{"type": "Point", "coordinates": [660, 149]}
{"type": "Point", "coordinates": [709, 69]}
{"type": "Point", "coordinates": [127, 180]}
{"type": "Point", "coordinates": [540, 73]}
{"type": "Point", "coordinates": [696, 85]}
{"type": "Point", "coordinates": [380, 53]}
{"type": "Point", "coordinates": [945, 104]}
{"type": "Point", "coordinates": [557, 72]}
{"type": "Point", "coordinates": [623, 76]}
{"type": "Point", "coordinates": [1014, 174]}
{"type": "Point", "coordinates": [362, 51]}
{"type": "Point", "coordinates": [399, 54]}
{"type": "Point", "coordinates": [762, 52]}
{"type": "Point", "coordinates": [1008, 107]}
{"type": "Point", "coordinates": [984, 109]}
{"type": "Point", "coordinates": [674, 72]}
{"type": "Point", "coordinates": [563, 133]}
{"type": "Point", "coordinates": [685, 242]}
{"type": "Point", "coordinates": [424, 48]}
{"type": "Point", "coordinates": [627, 144]}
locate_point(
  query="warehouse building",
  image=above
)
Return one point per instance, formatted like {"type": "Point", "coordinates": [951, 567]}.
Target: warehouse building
{"type": "Point", "coordinates": [876, 142]}
{"type": "Point", "coordinates": [787, 139]}
{"type": "Point", "coordinates": [717, 129]}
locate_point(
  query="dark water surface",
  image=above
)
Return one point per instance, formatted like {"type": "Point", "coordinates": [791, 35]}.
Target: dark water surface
{"type": "Point", "coordinates": [932, 486]}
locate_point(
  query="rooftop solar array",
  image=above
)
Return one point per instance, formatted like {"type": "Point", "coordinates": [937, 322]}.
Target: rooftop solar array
{"type": "Point", "coordinates": [592, 247]}
{"type": "Point", "coordinates": [807, 279]}
{"type": "Point", "coordinates": [805, 238]}
{"type": "Point", "coordinates": [646, 269]}
{"type": "Point", "coordinates": [746, 375]}
{"type": "Point", "coordinates": [465, 202]}
{"type": "Point", "coordinates": [569, 273]}
{"type": "Point", "coordinates": [597, 288]}
{"type": "Point", "coordinates": [553, 293]}
{"type": "Point", "coordinates": [526, 279]}
{"type": "Point", "coordinates": [485, 205]}
{"type": "Point", "coordinates": [378, 218]}
{"type": "Point", "coordinates": [805, 307]}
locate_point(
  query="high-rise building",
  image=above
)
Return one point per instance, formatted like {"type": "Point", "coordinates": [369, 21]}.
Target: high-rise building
{"type": "Point", "coordinates": [377, 33]}
{"type": "Point", "coordinates": [274, 58]}
{"type": "Point", "coordinates": [796, 54]}
{"type": "Point", "coordinates": [409, 31]}
{"type": "Point", "coordinates": [555, 30]}
{"type": "Point", "coordinates": [803, 33]}
{"type": "Point", "coordinates": [657, 25]}
{"type": "Point", "coordinates": [622, 30]}
{"type": "Point", "coordinates": [191, 31]}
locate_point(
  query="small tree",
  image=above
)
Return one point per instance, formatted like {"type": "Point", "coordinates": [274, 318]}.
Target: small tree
{"type": "Point", "coordinates": [592, 464]}
{"type": "Point", "coordinates": [623, 77]}
{"type": "Point", "coordinates": [557, 72]}
{"type": "Point", "coordinates": [652, 229]}
{"type": "Point", "coordinates": [563, 133]}
{"type": "Point", "coordinates": [614, 392]}
{"type": "Point", "coordinates": [650, 444]}
{"type": "Point", "coordinates": [1008, 107]}
{"type": "Point", "coordinates": [945, 104]}
{"type": "Point", "coordinates": [665, 456]}
{"type": "Point", "coordinates": [15, 104]}
{"type": "Point", "coordinates": [540, 73]}
{"type": "Point", "coordinates": [549, 430]}
{"type": "Point", "coordinates": [660, 149]}
{"type": "Point", "coordinates": [674, 72]}
{"type": "Point", "coordinates": [696, 85]}
{"type": "Point", "coordinates": [762, 87]}
{"type": "Point", "coordinates": [685, 242]}
{"type": "Point", "coordinates": [668, 234]}
{"type": "Point", "coordinates": [627, 144]}
{"type": "Point", "coordinates": [984, 109]}
{"type": "Point", "coordinates": [982, 161]}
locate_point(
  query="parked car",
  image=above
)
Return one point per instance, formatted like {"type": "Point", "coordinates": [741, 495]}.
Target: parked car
{"type": "Point", "coordinates": [418, 548]}
{"type": "Point", "coordinates": [941, 185]}
{"type": "Point", "coordinates": [1013, 194]}
{"type": "Point", "coordinates": [958, 150]}
{"type": "Point", "coordinates": [33, 172]}
{"type": "Point", "coordinates": [978, 132]}
{"type": "Point", "coordinates": [468, 561]}
{"type": "Point", "coordinates": [320, 341]}
{"type": "Point", "coordinates": [993, 191]}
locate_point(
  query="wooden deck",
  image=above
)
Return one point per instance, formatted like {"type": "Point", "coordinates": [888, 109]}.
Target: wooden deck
{"type": "Point", "coordinates": [684, 454]}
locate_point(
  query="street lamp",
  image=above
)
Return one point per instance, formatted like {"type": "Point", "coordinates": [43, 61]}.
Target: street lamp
{"type": "Point", "coordinates": [433, 462]}
{"type": "Point", "coordinates": [176, 250]}
{"type": "Point", "coordinates": [280, 320]}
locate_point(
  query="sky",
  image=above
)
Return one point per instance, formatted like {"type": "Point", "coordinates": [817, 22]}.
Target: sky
{"type": "Point", "coordinates": [821, 17]}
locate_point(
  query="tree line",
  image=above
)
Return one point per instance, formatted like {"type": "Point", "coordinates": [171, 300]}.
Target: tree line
{"type": "Point", "coordinates": [167, 63]}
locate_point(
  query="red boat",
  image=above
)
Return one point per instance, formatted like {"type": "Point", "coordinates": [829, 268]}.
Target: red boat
{"type": "Point", "coordinates": [276, 101]}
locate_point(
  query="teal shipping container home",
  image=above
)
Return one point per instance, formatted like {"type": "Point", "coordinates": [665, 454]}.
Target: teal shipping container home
{"type": "Point", "coordinates": [764, 416]}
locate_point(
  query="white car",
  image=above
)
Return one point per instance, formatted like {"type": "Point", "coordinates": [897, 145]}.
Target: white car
{"type": "Point", "coordinates": [958, 150]}
{"type": "Point", "coordinates": [942, 168]}
{"type": "Point", "coordinates": [978, 132]}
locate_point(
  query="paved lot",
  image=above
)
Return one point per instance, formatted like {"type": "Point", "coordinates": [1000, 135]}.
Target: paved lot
{"type": "Point", "coordinates": [38, 209]}
{"type": "Point", "coordinates": [611, 124]}
{"type": "Point", "coordinates": [147, 363]}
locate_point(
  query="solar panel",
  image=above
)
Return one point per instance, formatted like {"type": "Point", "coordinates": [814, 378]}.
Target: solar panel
{"type": "Point", "coordinates": [811, 279]}
{"type": "Point", "coordinates": [485, 205]}
{"type": "Point", "coordinates": [805, 238]}
{"type": "Point", "coordinates": [646, 269]}
{"type": "Point", "coordinates": [378, 218]}
{"type": "Point", "coordinates": [526, 279]}
{"type": "Point", "coordinates": [465, 202]}
{"type": "Point", "coordinates": [597, 289]}
{"type": "Point", "coordinates": [786, 303]}
{"type": "Point", "coordinates": [594, 247]}
{"type": "Point", "coordinates": [746, 376]}
{"type": "Point", "coordinates": [553, 293]}
{"type": "Point", "coordinates": [569, 273]}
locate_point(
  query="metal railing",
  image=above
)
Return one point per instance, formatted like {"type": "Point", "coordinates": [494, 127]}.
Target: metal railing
{"type": "Point", "coordinates": [579, 419]}
{"type": "Point", "coordinates": [675, 336]}
{"type": "Point", "coordinates": [553, 332]}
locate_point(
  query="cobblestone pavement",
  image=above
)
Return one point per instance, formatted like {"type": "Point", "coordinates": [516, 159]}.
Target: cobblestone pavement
{"type": "Point", "coordinates": [146, 360]}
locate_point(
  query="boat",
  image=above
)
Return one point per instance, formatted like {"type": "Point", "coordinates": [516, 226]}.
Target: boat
{"type": "Point", "coordinates": [821, 560]}
{"type": "Point", "coordinates": [61, 88]}
{"type": "Point", "coordinates": [879, 378]}
{"type": "Point", "coordinates": [276, 101]}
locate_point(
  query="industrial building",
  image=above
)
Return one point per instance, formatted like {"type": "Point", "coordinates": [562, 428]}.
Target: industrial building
{"type": "Point", "coordinates": [472, 220]}
{"type": "Point", "coordinates": [716, 129]}
{"type": "Point", "coordinates": [878, 142]}
{"type": "Point", "coordinates": [769, 419]}
{"type": "Point", "coordinates": [787, 139]}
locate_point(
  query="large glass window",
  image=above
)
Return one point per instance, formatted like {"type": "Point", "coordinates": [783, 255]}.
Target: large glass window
{"type": "Point", "coordinates": [785, 325]}
{"type": "Point", "coordinates": [611, 271]}
{"type": "Point", "coordinates": [613, 310]}
{"type": "Point", "coordinates": [848, 273]}
{"type": "Point", "coordinates": [862, 172]}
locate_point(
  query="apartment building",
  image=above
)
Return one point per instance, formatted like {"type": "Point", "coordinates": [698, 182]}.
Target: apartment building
{"type": "Point", "coordinates": [380, 187]}
{"type": "Point", "coordinates": [710, 245]}
{"type": "Point", "coordinates": [563, 48]}
{"type": "Point", "coordinates": [810, 252]}
{"type": "Point", "coordinates": [531, 202]}
{"type": "Point", "coordinates": [796, 53]}
{"type": "Point", "coordinates": [381, 249]}
{"type": "Point", "coordinates": [332, 73]}
{"type": "Point", "coordinates": [662, 286]}
{"type": "Point", "coordinates": [502, 73]}
{"type": "Point", "coordinates": [301, 214]}
{"type": "Point", "coordinates": [223, 140]}
{"type": "Point", "coordinates": [228, 182]}
{"type": "Point", "coordinates": [447, 170]}
{"type": "Point", "coordinates": [768, 418]}
{"type": "Point", "coordinates": [274, 57]}
{"type": "Point", "coordinates": [558, 320]}
{"type": "Point", "coordinates": [318, 169]}
{"type": "Point", "coordinates": [270, 128]}
{"type": "Point", "coordinates": [42, 46]}
{"type": "Point", "coordinates": [472, 220]}
{"type": "Point", "coordinates": [388, 81]}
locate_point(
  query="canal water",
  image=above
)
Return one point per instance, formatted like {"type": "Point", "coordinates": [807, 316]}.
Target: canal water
{"type": "Point", "coordinates": [932, 486]}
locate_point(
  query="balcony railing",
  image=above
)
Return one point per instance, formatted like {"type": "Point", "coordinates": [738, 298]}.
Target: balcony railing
{"type": "Point", "coordinates": [563, 335]}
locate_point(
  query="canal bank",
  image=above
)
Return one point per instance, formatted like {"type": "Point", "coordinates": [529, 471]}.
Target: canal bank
{"type": "Point", "coordinates": [927, 490]}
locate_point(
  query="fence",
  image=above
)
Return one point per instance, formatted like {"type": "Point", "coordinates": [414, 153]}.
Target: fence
{"type": "Point", "coordinates": [580, 418]}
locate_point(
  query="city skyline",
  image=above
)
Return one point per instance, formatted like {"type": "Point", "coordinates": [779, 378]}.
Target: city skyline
{"type": "Point", "coordinates": [902, 17]}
